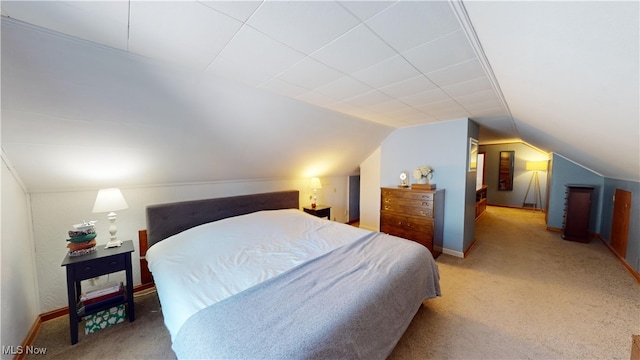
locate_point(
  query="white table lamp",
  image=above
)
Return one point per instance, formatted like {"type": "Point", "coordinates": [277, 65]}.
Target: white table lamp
{"type": "Point", "coordinates": [315, 185]}
{"type": "Point", "coordinates": [109, 201]}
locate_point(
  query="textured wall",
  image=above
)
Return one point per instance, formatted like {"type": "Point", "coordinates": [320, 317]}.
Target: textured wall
{"type": "Point", "coordinates": [19, 294]}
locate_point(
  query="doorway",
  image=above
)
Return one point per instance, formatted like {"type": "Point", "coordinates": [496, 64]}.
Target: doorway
{"type": "Point", "coordinates": [354, 199]}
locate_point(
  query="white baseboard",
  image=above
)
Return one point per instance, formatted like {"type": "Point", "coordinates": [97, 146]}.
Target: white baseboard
{"type": "Point", "coordinates": [459, 254]}
{"type": "Point", "coordinates": [368, 228]}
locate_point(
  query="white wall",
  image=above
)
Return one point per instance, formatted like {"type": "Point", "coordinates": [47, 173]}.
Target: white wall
{"type": "Point", "coordinates": [18, 288]}
{"type": "Point", "coordinates": [370, 192]}
{"type": "Point", "coordinates": [55, 212]}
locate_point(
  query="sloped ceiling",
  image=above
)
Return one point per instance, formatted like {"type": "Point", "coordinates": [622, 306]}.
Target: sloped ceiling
{"type": "Point", "coordinates": [166, 92]}
{"type": "Point", "coordinates": [569, 71]}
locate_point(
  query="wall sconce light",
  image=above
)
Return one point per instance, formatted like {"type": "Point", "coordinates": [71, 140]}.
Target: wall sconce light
{"type": "Point", "coordinates": [110, 200]}
{"type": "Point", "coordinates": [535, 167]}
{"type": "Point", "coordinates": [315, 185]}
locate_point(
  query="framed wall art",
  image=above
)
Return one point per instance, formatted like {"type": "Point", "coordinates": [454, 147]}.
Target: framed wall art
{"type": "Point", "coordinates": [473, 154]}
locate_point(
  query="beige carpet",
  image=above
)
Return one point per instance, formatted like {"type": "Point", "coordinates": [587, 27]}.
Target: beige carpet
{"type": "Point", "coordinates": [522, 293]}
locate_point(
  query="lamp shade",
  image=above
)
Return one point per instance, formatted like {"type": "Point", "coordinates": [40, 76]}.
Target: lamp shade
{"type": "Point", "coordinates": [315, 183]}
{"type": "Point", "coordinates": [536, 166]}
{"type": "Point", "coordinates": [109, 200]}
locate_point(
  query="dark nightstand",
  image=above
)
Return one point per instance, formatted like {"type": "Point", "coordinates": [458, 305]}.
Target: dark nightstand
{"type": "Point", "coordinates": [101, 262]}
{"type": "Point", "coordinates": [320, 211]}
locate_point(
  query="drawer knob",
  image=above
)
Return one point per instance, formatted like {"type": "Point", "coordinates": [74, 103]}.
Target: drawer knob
{"type": "Point", "coordinates": [113, 263]}
{"type": "Point", "coordinates": [387, 200]}
{"type": "Point", "coordinates": [399, 222]}
{"type": "Point", "coordinates": [387, 207]}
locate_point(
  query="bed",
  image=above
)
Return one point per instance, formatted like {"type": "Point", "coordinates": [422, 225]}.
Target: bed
{"type": "Point", "coordinates": [252, 277]}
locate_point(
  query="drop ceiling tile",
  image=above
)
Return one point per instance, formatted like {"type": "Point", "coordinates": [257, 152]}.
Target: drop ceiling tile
{"type": "Point", "coordinates": [100, 22]}
{"type": "Point", "coordinates": [441, 105]}
{"type": "Point", "coordinates": [421, 121]}
{"type": "Point", "coordinates": [347, 108]}
{"type": "Point", "coordinates": [457, 73]}
{"type": "Point", "coordinates": [388, 72]}
{"type": "Point", "coordinates": [254, 51]}
{"type": "Point", "coordinates": [310, 73]}
{"type": "Point", "coordinates": [356, 50]}
{"type": "Point", "coordinates": [187, 33]}
{"type": "Point", "coordinates": [303, 25]}
{"type": "Point", "coordinates": [344, 88]}
{"type": "Point", "coordinates": [450, 49]}
{"type": "Point", "coordinates": [450, 114]}
{"type": "Point", "coordinates": [365, 9]}
{"type": "Point", "coordinates": [408, 114]}
{"type": "Point", "coordinates": [283, 88]}
{"type": "Point", "coordinates": [425, 97]}
{"type": "Point", "coordinates": [111, 10]}
{"type": "Point", "coordinates": [479, 111]}
{"type": "Point", "coordinates": [481, 97]}
{"type": "Point", "coordinates": [368, 99]}
{"type": "Point", "coordinates": [408, 24]}
{"type": "Point", "coordinates": [231, 70]}
{"type": "Point", "coordinates": [469, 87]}
{"type": "Point", "coordinates": [315, 98]}
{"type": "Point", "coordinates": [408, 87]}
{"type": "Point", "coordinates": [240, 10]}
{"type": "Point", "coordinates": [391, 107]}
{"type": "Point", "coordinates": [445, 110]}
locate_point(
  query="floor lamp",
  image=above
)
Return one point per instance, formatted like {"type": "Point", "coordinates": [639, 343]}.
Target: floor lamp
{"type": "Point", "coordinates": [535, 167]}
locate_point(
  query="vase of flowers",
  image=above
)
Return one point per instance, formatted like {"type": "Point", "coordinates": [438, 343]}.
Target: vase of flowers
{"type": "Point", "coordinates": [423, 174]}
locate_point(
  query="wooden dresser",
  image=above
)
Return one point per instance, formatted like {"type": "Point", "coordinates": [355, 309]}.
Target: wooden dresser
{"type": "Point", "coordinates": [413, 214]}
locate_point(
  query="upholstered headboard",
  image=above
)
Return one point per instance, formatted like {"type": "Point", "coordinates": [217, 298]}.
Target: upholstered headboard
{"type": "Point", "coordinates": [165, 220]}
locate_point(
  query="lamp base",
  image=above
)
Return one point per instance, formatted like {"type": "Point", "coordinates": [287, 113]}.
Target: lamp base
{"type": "Point", "coordinates": [113, 243]}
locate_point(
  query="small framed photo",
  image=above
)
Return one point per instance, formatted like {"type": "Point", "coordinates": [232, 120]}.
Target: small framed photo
{"type": "Point", "coordinates": [473, 155]}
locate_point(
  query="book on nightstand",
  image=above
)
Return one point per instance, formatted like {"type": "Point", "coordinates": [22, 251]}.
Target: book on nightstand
{"type": "Point", "coordinates": [110, 288]}
{"type": "Point", "coordinates": [101, 298]}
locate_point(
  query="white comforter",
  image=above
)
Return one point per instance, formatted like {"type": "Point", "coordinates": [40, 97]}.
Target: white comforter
{"type": "Point", "coordinates": [208, 263]}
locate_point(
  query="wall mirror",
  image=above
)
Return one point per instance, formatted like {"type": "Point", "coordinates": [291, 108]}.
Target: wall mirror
{"type": "Point", "coordinates": [505, 171]}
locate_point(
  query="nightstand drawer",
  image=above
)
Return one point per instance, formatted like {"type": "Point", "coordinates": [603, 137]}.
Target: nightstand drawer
{"type": "Point", "coordinates": [97, 267]}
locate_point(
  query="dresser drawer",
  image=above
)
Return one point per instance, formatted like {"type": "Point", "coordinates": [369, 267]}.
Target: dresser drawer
{"type": "Point", "coordinates": [88, 270]}
{"type": "Point", "coordinates": [415, 209]}
{"type": "Point", "coordinates": [390, 200]}
{"type": "Point", "coordinates": [418, 230]}
{"type": "Point", "coordinates": [407, 194]}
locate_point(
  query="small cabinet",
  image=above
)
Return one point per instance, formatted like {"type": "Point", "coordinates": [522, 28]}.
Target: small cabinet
{"type": "Point", "coordinates": [577, 212]}
{"type": "Point", "coordinates": [415, 215]}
